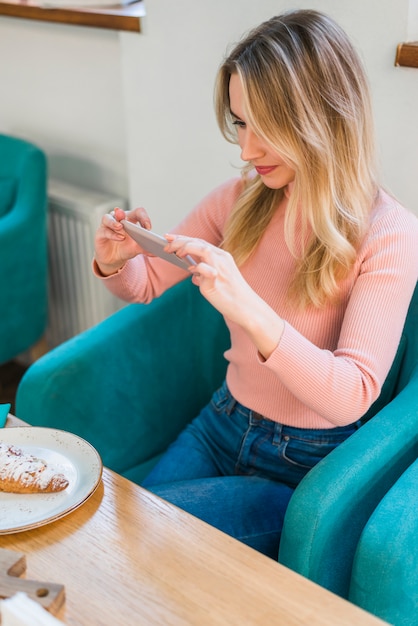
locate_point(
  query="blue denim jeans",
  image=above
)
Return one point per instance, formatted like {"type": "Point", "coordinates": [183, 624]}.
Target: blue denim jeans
{"type": "Point", "coordinates": [237, 470]}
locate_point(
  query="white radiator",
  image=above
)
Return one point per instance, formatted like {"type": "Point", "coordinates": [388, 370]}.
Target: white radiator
{"type": "Point", "coordinates": [77, 300]}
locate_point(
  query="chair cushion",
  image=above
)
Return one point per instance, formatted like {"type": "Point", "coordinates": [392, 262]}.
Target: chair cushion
{"type": "Point", "coordinates": [7, 194]}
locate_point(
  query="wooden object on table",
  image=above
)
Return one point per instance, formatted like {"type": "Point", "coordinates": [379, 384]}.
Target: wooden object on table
{"type": "Point", "coordinates": [12, 564]}
{"type": "Point", "coordinates": [126, 556]}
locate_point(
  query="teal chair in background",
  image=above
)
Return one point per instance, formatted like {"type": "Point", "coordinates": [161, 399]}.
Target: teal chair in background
{"type": "Point", "coordinates": [385, 571]}
{"type": "Point", "coordinates": [23, 246]}
{"type": "Point", "coordinates": [132, 382]}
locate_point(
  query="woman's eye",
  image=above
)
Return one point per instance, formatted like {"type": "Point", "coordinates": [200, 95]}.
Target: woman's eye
{"type": "Point", "coordinates": [239, 123]}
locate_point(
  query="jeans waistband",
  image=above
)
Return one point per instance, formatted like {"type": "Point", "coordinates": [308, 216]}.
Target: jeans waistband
{"type": "Point", "coordinates": [257, 418]}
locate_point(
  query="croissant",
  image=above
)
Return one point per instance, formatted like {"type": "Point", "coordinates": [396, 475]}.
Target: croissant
{"type": "Point", "coordinates": [20, 472]}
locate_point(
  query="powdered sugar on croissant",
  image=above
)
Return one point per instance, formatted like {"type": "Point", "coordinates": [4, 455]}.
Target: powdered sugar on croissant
{"type": "Point", "coordinates": [21, 472]}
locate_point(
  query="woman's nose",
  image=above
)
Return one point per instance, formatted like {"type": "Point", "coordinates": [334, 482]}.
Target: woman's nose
{"type": "Point", "coordinates": [251, 146]}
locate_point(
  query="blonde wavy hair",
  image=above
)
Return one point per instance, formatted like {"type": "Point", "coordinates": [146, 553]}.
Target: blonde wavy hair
{"type": "Point", "coordinates": [307, 96]}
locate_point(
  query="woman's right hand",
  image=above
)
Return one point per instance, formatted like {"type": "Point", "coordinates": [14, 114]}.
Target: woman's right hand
{"type": "Point", "coordinates": [113, 247]}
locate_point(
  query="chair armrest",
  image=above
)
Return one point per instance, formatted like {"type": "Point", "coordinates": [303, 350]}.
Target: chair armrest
{"type": "Point", "coordinates": [385, 570]}
{"type": "Point", "coordinates": [130, 384]}
{"type": "Point", "coordinates": [332, 504]}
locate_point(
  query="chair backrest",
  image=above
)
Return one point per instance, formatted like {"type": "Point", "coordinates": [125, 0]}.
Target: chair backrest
{"type": "Point", "coordinates": [385, 570]}
{"type": "Point", "coordinates": [13, 159]}
{"type": "Point", "coordinates": [332, 504]}
{"type": "Point", "coordinates": [404, 362]}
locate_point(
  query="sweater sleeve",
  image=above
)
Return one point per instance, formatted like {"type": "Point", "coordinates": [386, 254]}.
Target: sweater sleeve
{"type": "Point", "coordinates": [341, 385]}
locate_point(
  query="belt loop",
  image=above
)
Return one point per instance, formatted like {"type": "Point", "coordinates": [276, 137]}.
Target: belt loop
{"type": "Point", "coordinates": [278, 431]}
{"type": "Point", "coordinates": [231, 403]}
{"type": "Point", "coordinates": [254, 417]}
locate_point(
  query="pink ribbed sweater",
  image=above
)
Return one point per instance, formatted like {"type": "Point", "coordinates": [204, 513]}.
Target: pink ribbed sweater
{"type": "Point", "coordinates": [331, 362]}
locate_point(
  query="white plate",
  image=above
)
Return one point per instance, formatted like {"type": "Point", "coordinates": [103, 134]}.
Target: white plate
{"type": "Point", "coordinates": [71, 455]}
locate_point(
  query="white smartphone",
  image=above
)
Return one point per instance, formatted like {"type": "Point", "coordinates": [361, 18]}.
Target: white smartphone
{"type": "Point", "coordinates": [155, 244]}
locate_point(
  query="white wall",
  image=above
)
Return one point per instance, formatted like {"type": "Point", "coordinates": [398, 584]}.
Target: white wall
{"type": "Point", "coordinates": [132, 113]}
{"type": "Point", "coordinates": [61, 86]}
{"type": "Point", "coordinates": [412, 34]}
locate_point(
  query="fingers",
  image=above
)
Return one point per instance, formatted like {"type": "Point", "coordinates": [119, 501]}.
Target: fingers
{"type": "Point", "coordinates": [202, 273]}
{"type": "Point", "coordinates": [201, 250]}
{"type": "Point", "coordinates": [214, 266]}
{"type": "Point", "coordinates": [110, 227]}
{"type": "Point", "coordinates": [138, 215]}
{"type": "Point", "coordinates": [118, 214]}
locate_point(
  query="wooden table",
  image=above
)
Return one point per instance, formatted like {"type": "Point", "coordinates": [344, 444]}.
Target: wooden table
{"type": "Point", "coordinates": [128, 558]}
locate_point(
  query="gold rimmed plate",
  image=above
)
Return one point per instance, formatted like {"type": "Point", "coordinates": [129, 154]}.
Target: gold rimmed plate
{"type": "Point", "coordinates": [71, 455]}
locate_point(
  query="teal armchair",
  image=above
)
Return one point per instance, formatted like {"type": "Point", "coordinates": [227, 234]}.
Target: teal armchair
{"type": "Point", "coordinates": [131, 383]}
{"type": "Point", "coordinates": [335, 500]}
{"type": "Point", "coordinates": [23, 246]}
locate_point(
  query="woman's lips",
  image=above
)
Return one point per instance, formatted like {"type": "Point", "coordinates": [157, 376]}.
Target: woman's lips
{"type": "Point", "coordinates": [263, 170]}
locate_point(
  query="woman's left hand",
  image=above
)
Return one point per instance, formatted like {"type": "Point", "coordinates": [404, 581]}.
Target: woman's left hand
{"type": "Point", "coordinates": [222, 284]}
{"type": "Point", "coordinates": [216, 274]}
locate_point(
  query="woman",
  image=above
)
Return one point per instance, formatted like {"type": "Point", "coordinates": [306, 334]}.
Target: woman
{"type": "Point", "coordinates": [311, 263]}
